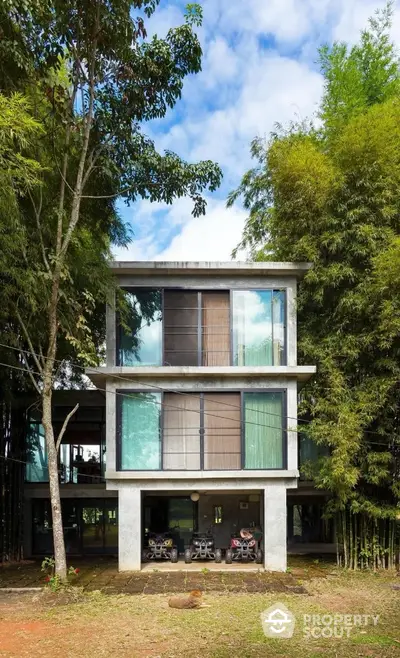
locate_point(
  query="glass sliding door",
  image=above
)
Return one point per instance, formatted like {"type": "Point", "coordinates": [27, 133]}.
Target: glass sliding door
{"type": "Point", "coordinates": [181, 441]}
{"type": "Point", "coordinates": [264, 434]}
{"type": "Point", "coordinates": [258, 327]}
{"type": "Point", "coordinates": [140, 436]}
{"type": "Point", "coordinates": [142, 344]}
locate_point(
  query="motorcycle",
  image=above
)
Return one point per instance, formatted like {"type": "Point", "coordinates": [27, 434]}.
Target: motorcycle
{"type": "Point", "coordinates": [244, 548]}
{"type": "Point", "coordinates": [160, 547]}
{"type": "Point", "coordinates": [202, 547]}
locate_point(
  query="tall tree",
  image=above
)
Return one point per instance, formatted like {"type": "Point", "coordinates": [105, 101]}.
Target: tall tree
{"type": "Point", "coordinates": [331, 195]}
{"type": "Point", "coordinates": [95, 79]}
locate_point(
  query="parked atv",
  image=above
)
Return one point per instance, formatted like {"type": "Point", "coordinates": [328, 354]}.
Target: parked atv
{"type": "Point", "coordinates": [243, 548]}
{"type": "Point", "coordinates": [160, 547]}
{"type": "Point", "coordinates": [202, 547]}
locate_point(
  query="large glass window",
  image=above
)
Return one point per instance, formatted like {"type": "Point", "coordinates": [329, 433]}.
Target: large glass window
{"type": "Point", "coordinates": [258, 327]}
{"type": "Point", "coordinates": [36, 454]}
{"type": "Point", "coordinates": [142, 344]}
{"type": "Point", "coordinates": [140, 431]}
{"type": "Point", "coordinates": [263, 430]}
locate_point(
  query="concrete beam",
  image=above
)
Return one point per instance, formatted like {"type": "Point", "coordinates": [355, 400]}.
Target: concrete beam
{"type": "Point", "coordinates": [209, 267]}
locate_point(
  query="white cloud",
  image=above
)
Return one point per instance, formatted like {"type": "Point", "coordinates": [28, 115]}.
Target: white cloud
{"type": "Point", "coordinates": [258, 69]}
{"type": "Point", "coordinates": [210, 237]}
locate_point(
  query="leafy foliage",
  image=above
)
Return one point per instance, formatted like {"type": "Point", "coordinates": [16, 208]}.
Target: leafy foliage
{"type": "Point", "coordinates": [92, 79]}
{"type": "Point", "coordinates": [330, 194]}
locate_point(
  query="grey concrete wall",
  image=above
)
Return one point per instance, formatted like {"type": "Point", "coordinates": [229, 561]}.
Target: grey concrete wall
{"type": "Point", "coordinates": [275, 552]}
{"type": "Point", "coordinates": [129, 529]}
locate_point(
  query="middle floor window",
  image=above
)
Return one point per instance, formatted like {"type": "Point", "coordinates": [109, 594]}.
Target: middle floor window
{"type": "Point", "coordinates": [201, 431]}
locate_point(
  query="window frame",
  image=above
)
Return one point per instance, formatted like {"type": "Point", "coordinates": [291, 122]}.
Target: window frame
{"type": "Point", "coordinates": [119, 393]}
{"type": "Point", "coordinates": [285, 323]}
{"type": "Point", "coordinates": [284, 428]}
{"type": "Point", "coordinates": [230, 291]}
{"type": "Point", "coordinates": [118, 328]}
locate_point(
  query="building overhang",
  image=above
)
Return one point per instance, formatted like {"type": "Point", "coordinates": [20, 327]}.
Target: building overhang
{"type": "Point", "coordinates": [99, 376]}
{"type": "Point", "coordinates": [200, 268]}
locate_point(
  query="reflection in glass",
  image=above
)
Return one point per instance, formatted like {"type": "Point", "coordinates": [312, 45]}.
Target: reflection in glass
{"type": "Point", "coordinates": [143, 344]}
{"type": "Point", "coordinates": [36, 454]}
{"type": "Point", "coordinates": [140, 431]}
{"type": "Point", "coordinates": [258, 327]}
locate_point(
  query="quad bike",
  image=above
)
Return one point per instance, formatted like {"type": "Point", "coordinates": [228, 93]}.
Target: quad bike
{"type": "Point", "coordinates": [160, 547]}
{"type": "Point", "coordinates": [202, 547]}
{"type": "Point", "coordinates": [244, 548]}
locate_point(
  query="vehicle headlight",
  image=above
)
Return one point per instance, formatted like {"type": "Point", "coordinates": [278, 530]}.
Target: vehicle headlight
{"type": "Point", "coordinates": [196, 542]}
{"type": "Point", "coordinates": [168, 542]}
{"type": "Point", "coordinates": [209, 543]}
{"type": "Point", "coordinates": [152, 542]}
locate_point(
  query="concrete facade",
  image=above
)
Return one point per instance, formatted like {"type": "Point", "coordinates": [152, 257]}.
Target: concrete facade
{"type": "Point", "coordinates": [269, 485]}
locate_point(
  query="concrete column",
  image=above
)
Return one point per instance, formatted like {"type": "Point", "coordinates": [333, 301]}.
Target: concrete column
{"type": "Point", "coordinates": [129, 529]}
{"type": "Point", "coordinates": [275, 549]}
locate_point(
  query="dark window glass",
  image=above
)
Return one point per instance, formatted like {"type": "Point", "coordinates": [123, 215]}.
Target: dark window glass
{"type": "Point", "coordinates": [181, 340]}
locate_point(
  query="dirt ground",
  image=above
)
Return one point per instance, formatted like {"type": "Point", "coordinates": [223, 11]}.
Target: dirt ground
{"type": "Point", "coordinates": [94, 624]}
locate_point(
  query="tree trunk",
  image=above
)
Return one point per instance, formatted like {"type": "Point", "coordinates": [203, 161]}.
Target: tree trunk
{"type": "Point", "coordinates": [58, 533]}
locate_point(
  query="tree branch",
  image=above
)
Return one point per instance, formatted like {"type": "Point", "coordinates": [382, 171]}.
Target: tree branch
{"type": "Point", "coordinates": [33, 380]}
{"type": "Point", "coordinates": [64, 425]}
{"type": "Point", "coordinates": [37, 213]}
{"type": "Point", "coordinates": [74, 217]}
{"type": "Point", "coordinates": [30, 345]}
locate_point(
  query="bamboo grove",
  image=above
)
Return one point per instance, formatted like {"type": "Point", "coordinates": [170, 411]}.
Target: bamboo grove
{"type": "Point", "coordinates": [327, 191]}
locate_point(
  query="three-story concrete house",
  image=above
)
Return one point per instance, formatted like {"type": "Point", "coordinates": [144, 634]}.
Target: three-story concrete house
{"type": "Point", "coordinates": [201, 402]}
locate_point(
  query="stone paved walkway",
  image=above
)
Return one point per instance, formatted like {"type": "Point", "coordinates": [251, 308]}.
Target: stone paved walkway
{"type": "Point", "coordinates": [102, 574]}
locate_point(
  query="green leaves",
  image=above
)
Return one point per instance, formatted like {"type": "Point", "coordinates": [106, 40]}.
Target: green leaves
{"type": "Point", "coordinates": [332, 196]}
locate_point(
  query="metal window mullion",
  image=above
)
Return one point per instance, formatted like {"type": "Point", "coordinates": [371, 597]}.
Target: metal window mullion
{"type": "Point", "coordinates": [199, 329]}
{"type": "Point", "coordinates": [272, 327]}
{"type": "Point", "coordinates": [202, 431]}
{"type": "Point", "coordinates": [161, 431]}
{"type": "Point", "coordinates": [242, 431]}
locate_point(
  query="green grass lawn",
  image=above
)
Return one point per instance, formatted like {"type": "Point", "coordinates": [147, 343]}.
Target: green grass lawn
{"type": "Point", "coordinates": [143, 626]}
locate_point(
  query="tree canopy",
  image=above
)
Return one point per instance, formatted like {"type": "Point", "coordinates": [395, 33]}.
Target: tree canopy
{"type": "Point", "coordinates": [87, 79]}
{"type": "Point", "coordinates": [328, 191]}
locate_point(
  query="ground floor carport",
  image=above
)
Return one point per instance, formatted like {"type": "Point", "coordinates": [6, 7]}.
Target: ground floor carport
{"type": "Point", "coordinates": [221, 511]}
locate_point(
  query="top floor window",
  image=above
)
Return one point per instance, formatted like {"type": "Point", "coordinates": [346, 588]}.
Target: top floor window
{"type": "Point", "coordinates": [203, 328]}
{"type": "Point", "coordinates": [258, 327]}
{"type": "Point", "coordinates": [142, 345]}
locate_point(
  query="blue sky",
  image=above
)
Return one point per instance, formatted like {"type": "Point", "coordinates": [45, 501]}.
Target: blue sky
{"type": "Point", "coordinates": [259, 68]}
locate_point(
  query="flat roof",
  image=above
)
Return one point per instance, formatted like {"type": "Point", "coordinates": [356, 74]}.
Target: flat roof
{"type": "Point", "coordinates": [267, 268]}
